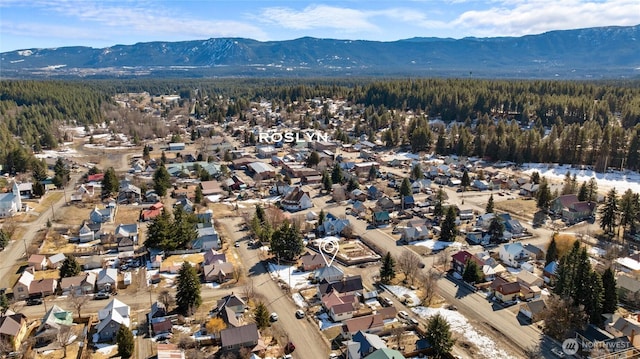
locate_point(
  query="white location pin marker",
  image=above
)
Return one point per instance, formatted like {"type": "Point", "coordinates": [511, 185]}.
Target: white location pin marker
{"type": "Point", "coordinates": [328, 248]}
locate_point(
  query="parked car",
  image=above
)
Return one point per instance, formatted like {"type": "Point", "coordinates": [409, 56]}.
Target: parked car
{"type": "Point", "coordinates": [101, 295]}
{"type": "Point", "coordinates": [34, 301]}
{"type": "Point", "coordinates": [559, 353]}
{"type": "Point", "coordinates": [289, 348]}
{"type": "Point", "coordinates": [274, 317]}
{"type": "Point", "coordinates": [413, 321]}
{"type": "Point", "coordinates": [402, 314]}
{"type": "Point", "coordinates": [299, 314]}
{"type": "Point", "coordinates": [237, 245]}
{"type": "Point", "coordinates": [386, 301]}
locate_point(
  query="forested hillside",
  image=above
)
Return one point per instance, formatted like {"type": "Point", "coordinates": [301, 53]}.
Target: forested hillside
{"type": "Point", "coordinates": [590, 123]}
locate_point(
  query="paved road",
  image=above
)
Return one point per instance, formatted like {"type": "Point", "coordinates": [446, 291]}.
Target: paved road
{"type": "Point", "coordinates": [15, 251]}
{"type": "Point", "coordinates": [303, 333]}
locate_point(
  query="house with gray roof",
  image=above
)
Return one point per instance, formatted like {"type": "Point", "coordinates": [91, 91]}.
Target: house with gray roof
{"type": "Point", "coordinates": [111, 318]}
{"type": "Point", "coordinates": [234, 338]}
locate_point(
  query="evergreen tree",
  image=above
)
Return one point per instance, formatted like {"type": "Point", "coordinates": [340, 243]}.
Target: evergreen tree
{"type": "Point", "coordinates": [387, 270]}
{"type": "Point", "coordinates": [70, 267]}
{"type": "Point", "coordinates": [163, 159]}
{"type": "Point", "coordinates": [160, 232]}
{"type": "Point", "coordinates": [38, 189]}
{"type": "Point", "coordinates": [61, 171]}
{"type": "Point", "coordinates": [628, 211]}
{"type": "Point", "coordinates": [286, 242]}
{"type": "Point", "coordinates": [609, 212]}
{"type": "Point", "coordinates": [327, 183]}
{"type": "Point", "coordinates": [583, 192]}
{"type": "Point", "coordinates": [416, 172]}
{"type": "Point", "coordinates": [552, 251]}
{"type": "Point", "coordinates": [543, 196]}
{"type": "Point", "coordinates": [448, 230]}
{"type": "Point", "coordinates": [260, 214]}
{"type": "Point", "coordinates": [373, 174]}
{"type": "Point", "coordinates": [610, 292]}
{"type": "Point", "coordinates": [313, 159]}
{"type": "Point", "coordinates": [4, 303]}
{"type": "Point", "coordinates": [472, 273]}
{"type": "Point", "coordinates": [183, 228]}
{"type": "Point", "coordinates": [199, 197]}
{"type": "Point", "coordinates": [261, 315]}
{"type": "Point", "coordinates": [352, 184]}
{"type": "Point", "coordinates": [146, 153]}
{"type": "Point", "coordinates": [465, 181]}
{"type": "Point", "coordinates": [535, 177]}
{"type": "Point", "coordinates": [321, 217]}
{"type": "Point", "coordinates": [4, 239]}
{"type": "Point", "coordinates": [110, 183]}
{"type": "Point", "coordinates": [188, 289]}
{"type": "Point", "coordinates": [592, 193]}
{"type": "Point", "coordinates": [594, 298]}
{"type": "Point", "coordinates": [405, 187]}
{"type": "Point", "coordinates": [438, 209]}
{"type": "Point", "coordinates": [489, 207]}
{"type": "Point", "coordinates": [567, 184]}
{"type": "Point", "coordinates": [336, 174]}
{"type": "Point", "coordinates": [439, 335]}
{"type": "Point", "coordinates": [125, 341]}
{"type": "Point", "coordinates": [496, 229]}
{"type": "Point", "coordinates": [39, 168]}
{"type": "Point", "coordinates": [161, 181]}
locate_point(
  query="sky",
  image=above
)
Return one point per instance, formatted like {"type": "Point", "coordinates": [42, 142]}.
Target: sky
{"type": "Point", "coordinates": [26, 24]}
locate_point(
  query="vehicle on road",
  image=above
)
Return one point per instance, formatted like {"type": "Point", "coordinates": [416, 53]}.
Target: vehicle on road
{"type": "Point", "coordinates": [413, 321]}
{"type": "Point", "coordinates": [273, 317]}
{"type": "Point", "coordinates": [101, 295]}
{"type": "Point", "coordinates": [237, 245]}
{"type": "Point", "coordinates": [299, 314]}
{"type": "Point", "coordinates": [289, 348]}
{"type": "Point", "coordinates": [33, 301]}
{"type": "Point", "coordinates": [558, 352]}
{"type": "Point", "coordinates": [386, 301]}
{"type": "Point", "coordinates": [452, 307]}
{"type": "Point", "coordinates": [402, 314]}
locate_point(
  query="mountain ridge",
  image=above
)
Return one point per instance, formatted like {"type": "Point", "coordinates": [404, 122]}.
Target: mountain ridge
{"type": "Point", "coordinates": [603, 52]}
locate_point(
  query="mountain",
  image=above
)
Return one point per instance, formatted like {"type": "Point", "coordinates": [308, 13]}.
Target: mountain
{"type": "Point", "coordinates": [604, 52]}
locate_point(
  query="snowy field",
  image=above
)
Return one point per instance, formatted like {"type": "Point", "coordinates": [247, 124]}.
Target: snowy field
{"type": "Point", "coordinates": [298, 280]}
{"type": "Point", "coordinates": [435, 245]}
{"type": "Point", "coordinates": [459, 324]}
{"type": "Point", "coordinates": [619, 180]}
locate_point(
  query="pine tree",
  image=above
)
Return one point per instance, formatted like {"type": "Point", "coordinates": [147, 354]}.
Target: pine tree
{"type": "Point", "coordinates": [160, 232]}
{"type": "Point", "coordinates": [405, 187]}
{"type": "Point", "coordinates": [387, 270]}
{"type": "Point", "coordinates": [327, 183]}
{"type": "Point", "coordinates": [198, 197]}
{"type": "Point", "coordinates": [628, 211]}
{"type": "Point", "coordinates": [439, 335]}
{"type": "Point", "coordinates": [416, 172]}
{"type": "Point", "coordinates": [261, 315]}
{"type": "Point", "coordinates": [373, 173]}
{"type": "Point", "coordinates": [594, 298]}
{"type": "Point", "coordinates": [110, 183]}
{"type": "Point", "coordinates": [438, 207]}
{"type": "Point", "coordinates": [313, 159]}
{"type": "Point", "coordinates": [610, 292]}
{"type": "Point", "coordinates": [146, 153]}
{"type": "Point", "coordinates": [583, 192]}
{"type": "Point", "coordinates": [552, 251]}
{"type": "Point", "coordinates": [448, 230]}
{"type": "Point", "coordinates": [592, 193]}
{"type": "Point", "coordinates": [125, 341]}
{"type": "Point", "coordinates": [472, 273]}
{"type": "Point", "coordinates": [609, 212]}
{"type": "Point", "coordinates": [465, 181]}
{"type": "Point", "coordinates": [184, 227]}
{"type": "Point", "coordinates": [543, 196]}
{"type": "Point", "coordinates": [496, 229]}
{"type": "Point", "coordinates": [4, 239]}
{"type": "Point", "coordinates": [321, 217]}
{"type": "Point", "coordinates": [286, 242]}
{"type": "Point", "coordinates": [489, 207]}
{"type": "Point", "coordinates": [336, 174]}
{"type": "Point", "coordinates": [352, 184]}
{"type": "Point", "coordinates": [161, 181]}
{"type": "Point", "coordinates": [70, 267]}
{"type": "Point", "coordinates": [566, 187]}
{"type": "Point", "coordinates": [188, 289]}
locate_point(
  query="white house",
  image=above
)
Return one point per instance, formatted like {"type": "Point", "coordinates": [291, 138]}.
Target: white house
{"type": "Point", "coordinates": [10, 203]}
{"type": "Point", "coordinates": [512, 254]}
{"type": "Point", "coordinates": [111, 318]}
{"type": "Point", "coordinates": [296, 200]}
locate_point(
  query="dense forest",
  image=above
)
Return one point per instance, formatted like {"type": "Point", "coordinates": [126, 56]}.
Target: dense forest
{"type": "Point", "coordinates": [588, 123]}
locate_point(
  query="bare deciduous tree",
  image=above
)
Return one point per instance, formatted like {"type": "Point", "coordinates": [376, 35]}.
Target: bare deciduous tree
{"type": "Point", "coordinates": [78, 300]}
{"type": "Point", "coordinates": [166, 298]}
{"type": "Point", "coordinates": [408, 263]}
{"type": "Point", "coordinates": [429, 286]}
{"type": "Point", "coordinates": [65, 336]}
{"type": "Point", "coordinates": [249, 290]}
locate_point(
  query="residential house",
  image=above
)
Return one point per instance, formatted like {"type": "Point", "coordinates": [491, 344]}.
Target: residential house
{"type": "Point", "coordinates": [54, 320]}
{"type": "Point", "coordinates": [111, 317]}
{"type": "Point", "coordinates": [549, 272]}
{"type": "Point", "coordinates": [505, 291]}
{"type": "Point", "coordinates": [529, 279]}
{"type": "Point", "coordinates": [107, 279]}
{"type": "Point", "coordinates": [373, 323]}
{"type": "Point", "coordinates": [210, 188]}
{"type": "Point", "coordinates": [234, 338]}
{"type": "Point", "coordinates": [358, 208]}
{"type": "Point", "coordinates": [218, 272]}
{"type": "Point", "coordinates": [26, 190]}
{"type": "Point", "coordinates": [152, 212]}
{"type": "Point", "coordinates": [37, 261]}
{"type": "Point", "coordinates": [381, 218]}
{"type": "Point", "coordinates": [628, 265]}
{"type": "Point", "coordinates": [348, 285]}
{"type": "Point", "coordinates": [261, 170]}
{"type": "Point", "coordinates": [512, 225]}
{"type": "Point", "coordinates": [127, 231]}
{"type": "Point", "coordinates": [533, 310]}
{"type": "Point", "coordinates": [408, 202]}
{"type": "Point", "coordinates": [186, 204]}
{"type": "Point", "coordinates": [417, 233]}
{"type": "Point", "coordinates": [312, 261]}
{"type": "Point", "coordinates": [129, 193]}
{"type": "Point", "coordinates": [207, 239]}
{"type": "Point", "coordinates": [231, 309]}
{"type": "Point", "coordinates": [597, 343]}
{"type": "Point", "coordinates": [363, 168]}
{"type": "Point", "coordinates": [628, 289]}
{"type": "Point", "coordinates": [43, 287]}
{"type": "Point", "coordinates": [105, 215]}
{"type": "Point", "coordinates": [459, 261]}
{"type": "Point", "coordinates": [161, 326]}
{"type": "Point", "coordinates": [212, 256]}
{"type": "Point", "coordinates": [13, 328]}
{"type": "Point", "coordinates": [89, 231]}
{"type": "Point", "coordinates": [176, 146]}
{"type": "Point", "coordinates": [385, 204]}
{"type": "Point", "coordinates": [571, 209]}
{"type": "Point", "coordinates": [83, 283]}
{"type": "Point", "coordinates": [358, 195]}
{"type": "Point", "coordinates": [363, 344]}
{"type": "Point", "coordinates": [480, 185]}
{"type": "Point", "coordinates": [10, 203]}
{"type": "Point", "coordinates": [512, 254]}
{"type": "Point", "coordinates": [296, 200]}
{"type": "Point", "coordinates": [328, 274]}
{"type": "Point", "coordinates": [55, 261]}
{"type": "Point", "coordinates": [529, 189]}
{"type": "Point", "coordinates": [83, 191]}
{"type": "Point", "coordinates": [333, 226]}
{"type": "Point", "coordinates": [620, 326]}
{"type": "Point", "coordinates": [534, 252]}
{"type": "Point", "coordinates": [21, 288]}
{"type": "Point", "coordinates": [374, 193]}
{"type": "Point", "coordinates": [340, 306]}
{"type": "Point", "coordinates": [386, 353]}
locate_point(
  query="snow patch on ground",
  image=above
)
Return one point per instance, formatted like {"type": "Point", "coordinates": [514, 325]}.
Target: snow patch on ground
{"type": "Point", "coordinates": [435, 245]}
{"type": "Point", "coordinates": [299, 300]}
{"type": "Point", "coordinates": [212, 285]}
{"type": "Point", "coordinates": [297, 280]}
{"type": "Point", "coordinates": [620, 180]}
{"type": "Point", "coordinates": [459, 324]}
{"type": "Point", "coordinates": [106, 349]}
{"type": "Point", "coordinates": [325, 323]}
{"type": "Point", "coordinates": [403, 292]}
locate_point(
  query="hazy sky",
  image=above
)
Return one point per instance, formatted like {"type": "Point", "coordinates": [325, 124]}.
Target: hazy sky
{"type": "Point", "coordinates": [55, 23]}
